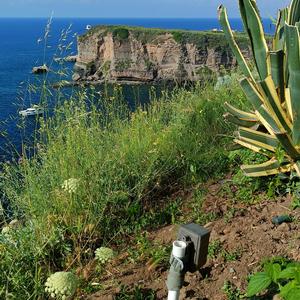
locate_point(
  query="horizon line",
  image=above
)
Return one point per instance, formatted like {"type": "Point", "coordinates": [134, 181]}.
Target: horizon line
{"type": "Point", "coordinates": [125, 18]}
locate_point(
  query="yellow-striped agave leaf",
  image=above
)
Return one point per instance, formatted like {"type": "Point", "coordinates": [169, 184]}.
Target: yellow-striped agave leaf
{"type": "Point", "coordinates": [294, 13]}
{"type": "Point", "coordinates": [240, 122]}
{"type": "Point", "coordinates": [278, 72]}
{"type": "Point", "coordinates": [233, 45]}
{"type": "Point", "coordinates": [271, 167]}
{"type": "Point", "coordinates": [293, 54]}
{"type": "Point", "coordinates": [240, 113]}
{"type": "Point", "coordinates": [254, 28]}
{"type": "Point", "coordinates": [275, 97]}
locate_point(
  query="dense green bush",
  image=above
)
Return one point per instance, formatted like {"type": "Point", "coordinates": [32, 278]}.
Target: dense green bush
{"type": "Point", "coordinates": [121, 33]}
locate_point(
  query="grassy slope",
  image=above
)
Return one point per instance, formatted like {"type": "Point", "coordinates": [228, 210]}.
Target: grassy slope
{"type": "Point", "coordinates": [124, 162]}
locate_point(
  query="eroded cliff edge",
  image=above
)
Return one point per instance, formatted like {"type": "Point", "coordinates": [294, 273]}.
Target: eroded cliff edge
{"type": "Point", "coordinates": [119, 53]}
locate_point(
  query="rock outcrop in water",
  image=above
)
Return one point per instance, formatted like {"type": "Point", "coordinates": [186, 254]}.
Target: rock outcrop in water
{"type": "Point", "coordinates": [40, 69]}
{"type": "Point", "coordinates": [145, 55]}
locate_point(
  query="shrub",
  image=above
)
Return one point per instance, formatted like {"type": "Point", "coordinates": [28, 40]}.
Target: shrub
{"type": "Point", "coordinates": [121, 33]}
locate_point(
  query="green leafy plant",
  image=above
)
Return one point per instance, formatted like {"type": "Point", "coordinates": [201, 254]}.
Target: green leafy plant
{"type": "Point", "coordinates": [280, 275]}
{"type": "Point", "coordinates": [273, 90]}
{"type": "Point", "coordinates": [136, 293]}
{"type": "Point", "coordinates": [231, 292]}
{"type": "Point", "coordinates": [153, 252]}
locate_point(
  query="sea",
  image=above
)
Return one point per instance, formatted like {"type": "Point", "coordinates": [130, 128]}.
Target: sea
{"type": "Point", "coordinates": [26, 42]}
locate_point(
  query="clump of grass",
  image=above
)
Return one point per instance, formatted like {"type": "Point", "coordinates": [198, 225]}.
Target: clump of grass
{"type": "Point", "coordinates": [123, 163]}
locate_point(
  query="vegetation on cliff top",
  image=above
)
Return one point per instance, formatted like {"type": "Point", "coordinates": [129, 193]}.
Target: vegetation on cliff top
{"type": "Point", "coordinates": [146, 35]}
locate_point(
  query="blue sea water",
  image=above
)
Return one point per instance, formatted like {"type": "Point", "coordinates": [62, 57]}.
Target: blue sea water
{"type": "Point", "coordinates": [23, 46]}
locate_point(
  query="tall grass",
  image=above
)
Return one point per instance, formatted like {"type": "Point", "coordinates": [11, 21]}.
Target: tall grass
{"type": "Point", "coordinates": [121, 164]}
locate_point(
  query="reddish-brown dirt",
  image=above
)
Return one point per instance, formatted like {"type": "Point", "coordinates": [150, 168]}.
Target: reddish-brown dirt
{"type": "Point", "coordinates": [242, 241]}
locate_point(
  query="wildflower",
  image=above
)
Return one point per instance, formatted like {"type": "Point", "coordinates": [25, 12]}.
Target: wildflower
{"type": "Point", "coordinates": [103, 254]}
{"type": "Point", "coordinates": [5, 230]}
{"type": "Point", "coordinates": [61, 285]}
{"type": "Point", "coordinates": [71, 185]}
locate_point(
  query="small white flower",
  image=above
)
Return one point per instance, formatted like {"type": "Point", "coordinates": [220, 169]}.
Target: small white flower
{"type": "Point", "coordinates": [5, 230]}
{"type": "Point", "coordinates": [61, 285]}
{"type": "Point", "coordinates": [71, 185]}
{"type": "Point", "coordinates": [103, 254]}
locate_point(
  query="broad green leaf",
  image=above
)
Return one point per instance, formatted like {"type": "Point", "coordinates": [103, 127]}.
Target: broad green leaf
{"type": "Point", "coordinates": [294, 294]}
{"type": "Point", "coordinates": [258, 283]}
{"type": "Point", "coordinates": [290, 291]}
{"type": "Point", "coordinates": [273, 270]}
{"type": "Point", "coordinates": [288, 273]}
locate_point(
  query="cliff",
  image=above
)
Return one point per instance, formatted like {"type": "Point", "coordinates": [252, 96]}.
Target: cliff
{"type": "Point", "coordinates": [119, 53]}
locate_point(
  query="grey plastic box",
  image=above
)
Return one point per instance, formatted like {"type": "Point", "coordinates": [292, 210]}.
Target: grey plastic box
{"type": "Point", "coordinates": [197, 238]}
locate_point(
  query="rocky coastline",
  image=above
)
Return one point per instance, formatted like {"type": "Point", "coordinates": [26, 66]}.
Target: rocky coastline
{"type": "Point", "coordinates": [141, 55]}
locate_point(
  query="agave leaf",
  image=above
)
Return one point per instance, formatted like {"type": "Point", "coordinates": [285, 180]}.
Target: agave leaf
{"type": "Point", "coordinates": [267, 120]}
{"type": "Point", "coordinates": [262, 139]}
{"type": "Point", "coordinates": [274, 105]}
{"type": "Point", "coordinates": [277, 70]}
{"type": "Point", "coordinates": [276, 97]}
{"type": "Point", "coordinates": [293, 53]}
{"type": "Point", "coordinates": [232, 43]}
{"type": "Point", "coordinates": [297, 167]}
{"type": "Point", "coordinates": [240, 113]}
{"type": "Point", "coordinates": [252, 147]}
{"type": "Point", "coordinates": [287, 144]}
{"type": "Point", "coordinates": [278, 40]}
{"type": "Point", "coordinates": [256, 143]}
{"type": "Point", "coordinates": [271, 167]}
{"type": "Point", "coordinates": [240, 122]}
{"type": "Point", "coordinates": [254, 28]}
{"type": "Point", "coordinates": [251, 93]}
{"type": "Point", "coordinates": [294, 15]}
{"type": "Point", "coordinates": [288, 104]}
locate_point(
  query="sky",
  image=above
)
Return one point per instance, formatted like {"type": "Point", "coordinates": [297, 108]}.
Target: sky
{"type": "Point", "coordinates": [129, 8]}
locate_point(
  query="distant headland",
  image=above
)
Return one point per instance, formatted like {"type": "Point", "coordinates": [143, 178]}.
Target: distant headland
{"type": "Point", "coordinates": [140, 55]}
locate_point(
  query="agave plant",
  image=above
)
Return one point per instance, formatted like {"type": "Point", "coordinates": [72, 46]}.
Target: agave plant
{"type": "Point", "coordinates": [273, 88]}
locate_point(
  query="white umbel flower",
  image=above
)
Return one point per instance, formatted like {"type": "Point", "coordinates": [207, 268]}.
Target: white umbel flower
{"type": "Point", "coordinates": [5, 230]}
{"type": "Point", "coordinates": [71, 185]}
{"type": "Point", "coordinates": [104, 255]}
{"type": "Point", "coordinates": [61, 285]}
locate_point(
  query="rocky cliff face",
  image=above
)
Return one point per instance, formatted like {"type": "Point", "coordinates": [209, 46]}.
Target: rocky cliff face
{"type": "Point", "coordinates": [143, 55]}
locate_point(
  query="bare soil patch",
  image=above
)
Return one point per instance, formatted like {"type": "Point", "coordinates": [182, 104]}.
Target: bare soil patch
{"type": "Point", "coordinates": [241, 238]}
